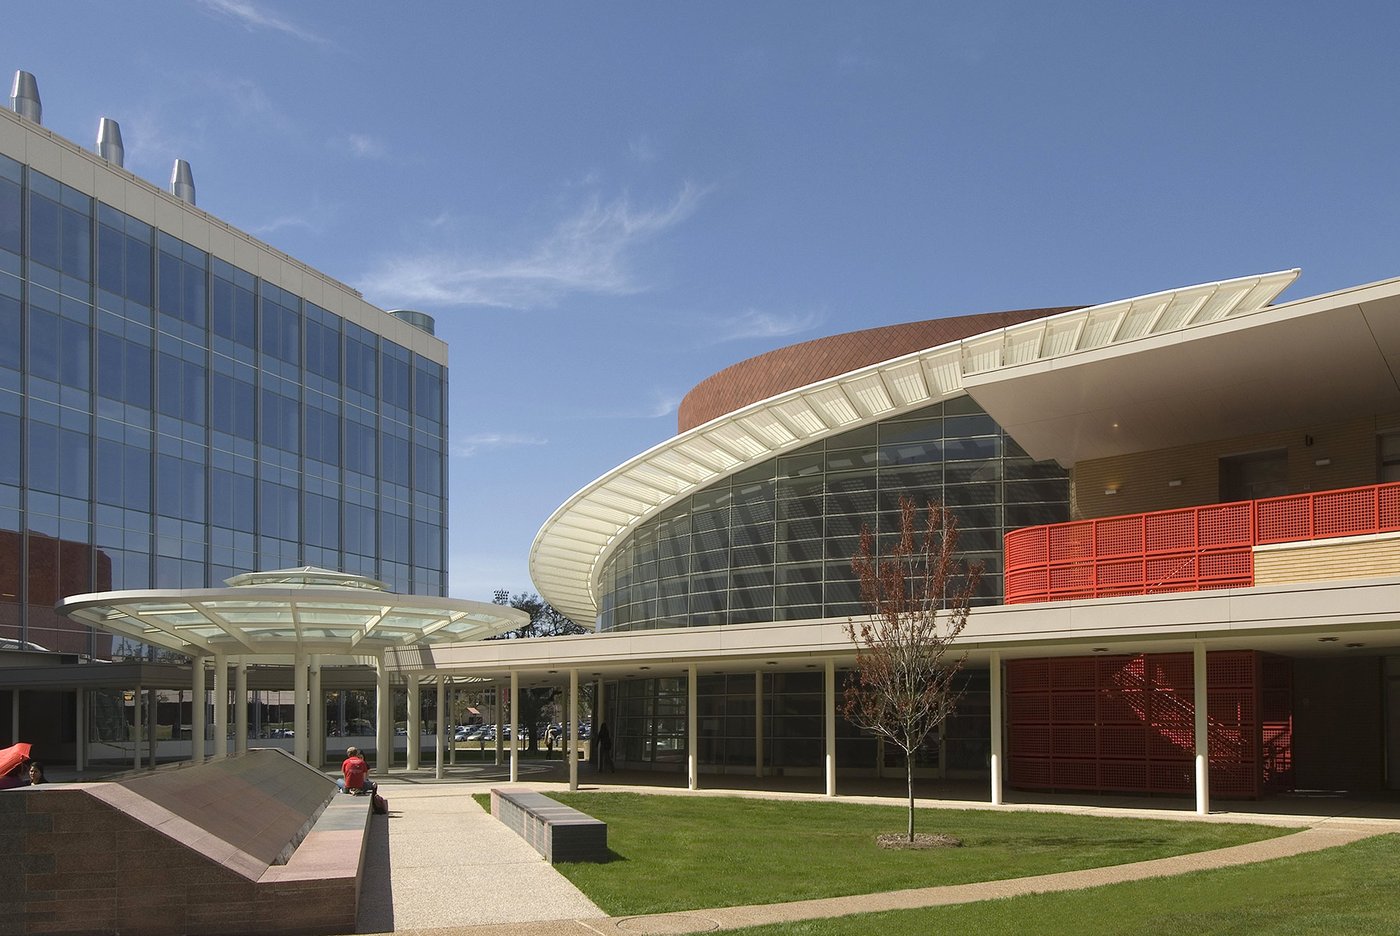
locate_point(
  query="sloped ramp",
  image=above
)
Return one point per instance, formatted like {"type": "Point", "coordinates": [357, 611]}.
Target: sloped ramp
{"type": "Point", "coordinates": [256, 843]}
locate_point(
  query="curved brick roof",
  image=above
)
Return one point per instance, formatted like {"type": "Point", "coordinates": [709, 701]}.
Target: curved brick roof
{"type": "Point", "coordinates": [797, 365]}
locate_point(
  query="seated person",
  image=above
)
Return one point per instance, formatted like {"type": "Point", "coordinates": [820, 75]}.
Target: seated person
{"type": "Point", "coordinates": [355, 774]}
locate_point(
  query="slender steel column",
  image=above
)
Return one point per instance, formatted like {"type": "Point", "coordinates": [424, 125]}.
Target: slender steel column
{"type": "Point", "coordinates": [197, 714]}
{"type": "Point", "coordinates": [514, 728]}
{"type": "Point", "coordinates": [220, 706]}
{"type": "Point", "coordinates": [240, 706]}
{"type": "Point", "coordinates": [300, 700]}
{"type": "Point", "coordinates": [415, 722]}
{"type": "Point", "coordinates": [829, 700]}
{"type": "Point", "coordinates": [572, 747]}
{"type": "Point", "coordinates": [441, 681]}
{"type": "Point", "coordinates": [384, 718]}
{"type": "Point", "coordinates": [994, 665]}
{"type": "Point", "coordinates": [317, 717]}
{"type": "Point", "coordinates": [136, 724]}
{"type": "Point", "coordinates": [152, 711]}
{"type": "Point", "coordinates": [1200, 676]}
{"type": "Point", "coordinates": [692, 728]}
{"type": "Point", "coordinates": [500, 723]}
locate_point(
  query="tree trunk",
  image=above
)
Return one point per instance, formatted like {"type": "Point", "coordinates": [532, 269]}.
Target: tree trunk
{"type": "Point", "coordinates": [909, 777]}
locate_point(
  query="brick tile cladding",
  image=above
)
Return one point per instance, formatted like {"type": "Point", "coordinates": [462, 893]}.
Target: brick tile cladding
{"type": "Point", "coordinates": [70, 864]}
{"type": "Point", "coordinates": [797, 365]}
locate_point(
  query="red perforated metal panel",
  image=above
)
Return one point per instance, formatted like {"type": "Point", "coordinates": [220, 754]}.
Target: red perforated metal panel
{"type": "Point", "coordinates": [1134, 731]}
{"type": "Point", "coordinates": [1184, 550]}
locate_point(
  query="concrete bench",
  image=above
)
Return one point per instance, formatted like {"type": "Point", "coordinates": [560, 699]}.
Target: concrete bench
{"type": "Point", "coordinates": [558, 832]}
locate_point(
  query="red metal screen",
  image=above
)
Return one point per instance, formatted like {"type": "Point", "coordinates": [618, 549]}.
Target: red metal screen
{"type": "Point", "coordinates": [1192, 549]}
{"type": "Point", "coordinates": [1126, 724]}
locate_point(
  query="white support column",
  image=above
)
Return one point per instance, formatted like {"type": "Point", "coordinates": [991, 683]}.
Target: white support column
{"type": "Point", "coordinates": [994, 669]}
{"type": "Point", "coordinates": [829, 700]}
{"type": "Point", "coordinates": [500, 722]}
{"type": "Point", "coordinates": [758, 723]}
{"type": "Point", "coordinates": [221, 706]}
{"type": "Point", "coordinates": [300, 694]}
{"type": "Point", "coordinates": [514, 733]}
{"type": "Point", "coordinates": [240, 706]}
{"type": "Point", "coordinates": [316, 716]}
{"type": "Point", "coordinates": [572, 747]}
{"type": "Point", "coordinates": [599, 708]}
{"type": "Point", "coordinates": [415, 722]}
{"type": "Point", "coordinates": [1202, 694]}
{"type": "Point", "coordinates": [197, 710]}
{"type": "Point", "coordinates": [441, 681]}
{"type": "Point", "coordinates": [14, 716]}
{"type": "Point", "coordinates": [80, 729]}
{"type": "Point", "coordinates": [384, 719]}
{"type": "Point", "coordinates": [152, 711]}
{"type": "Point", "coordinates": [137, 723]}
{"type": "Point", "coordinates": [453, 700]}
{"type": "Point", "coordinates": [692, 728]}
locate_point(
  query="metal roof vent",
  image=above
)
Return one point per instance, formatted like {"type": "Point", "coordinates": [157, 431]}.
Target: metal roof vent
{"type": "Point", "coordinates": [109, 141]}
{"type": "Point", "coordinates": [420, 320]}
{"type": "Point", "coordinates": [24, 97]}
{"type": "Point", "coordinates": [182, 182]}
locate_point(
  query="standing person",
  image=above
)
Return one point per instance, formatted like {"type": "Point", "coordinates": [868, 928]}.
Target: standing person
{"type": "Point", "coordinates": [605, 750]}
{"type": "Point", "coordinates": [354, 773]}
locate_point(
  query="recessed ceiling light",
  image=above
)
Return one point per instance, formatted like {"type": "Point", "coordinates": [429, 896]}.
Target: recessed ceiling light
{"type": "Point", "coordinates": [645, 667]}
{"type": "Point", "coordinates": [1100, 649]}
{"type": "Point", "coordinates": [1353, 646]}
{"type": "Point", "coordinates": [1327, 640]}
{"type": "Point", "coordinates": [772, 662]}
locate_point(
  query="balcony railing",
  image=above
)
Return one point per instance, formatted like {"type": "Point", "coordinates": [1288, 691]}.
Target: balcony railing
{"type": "Point", "coordinates": [1192, 549]}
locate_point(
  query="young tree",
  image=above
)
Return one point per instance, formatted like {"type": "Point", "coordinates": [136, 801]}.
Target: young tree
{"type": "Point", "coordinates": [917, 596]}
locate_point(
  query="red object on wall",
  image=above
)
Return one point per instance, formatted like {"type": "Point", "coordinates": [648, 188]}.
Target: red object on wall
{"type": "Point", "coordinates": [1193, 549]}
{"type": "Point", "coordinates": [1126, 724]}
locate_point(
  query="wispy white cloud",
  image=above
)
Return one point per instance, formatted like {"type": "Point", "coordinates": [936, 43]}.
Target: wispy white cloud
{"type": "Point", "coordinates": [252, 17]}
{"type": "Point", "coordinates": [590, 251]}
{"type": "Point", "coordinates": [467, 446]}
{"type": "Point", "coordinates": [755, 323]}
{"type": "Point", "coordinates": [654, 405]}
{"type": "Point", "coordinates": [366, 147]}
{"type": "Point", "coordinates": [641, 149]}
{"type": "Point", "coordinates": [286, 221]}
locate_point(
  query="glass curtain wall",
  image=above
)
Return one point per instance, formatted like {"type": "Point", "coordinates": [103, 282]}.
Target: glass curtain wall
{"type": "Point", "coordinates": [648, 721]}
{"type": "Point", "coordinates": [168, 420]}
{"type": "Point", "coordinates": [775, 541]}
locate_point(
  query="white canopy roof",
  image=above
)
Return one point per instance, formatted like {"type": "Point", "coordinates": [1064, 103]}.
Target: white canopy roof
{"type": "Point", "coordinates": [570, 548]}
{"type": "Point", "coordinates": [305, 610]}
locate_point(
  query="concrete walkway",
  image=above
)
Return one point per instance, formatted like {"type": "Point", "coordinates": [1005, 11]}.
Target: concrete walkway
{"type": "Point", "coordinates": [440, 864]}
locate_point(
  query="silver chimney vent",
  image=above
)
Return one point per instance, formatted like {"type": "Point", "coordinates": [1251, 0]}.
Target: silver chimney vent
{"type": "Point", "coordinates": [182, 182]}
{"type": "Point", "coordinates": [24, 97]}
{"type": "Point", "coordinates": [109, 141]}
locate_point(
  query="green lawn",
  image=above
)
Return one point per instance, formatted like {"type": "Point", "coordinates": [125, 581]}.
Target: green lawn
{"type": "Point", "coordinates": [682, 853]}
{"type": "Point", "coordinates": [1343, 891]}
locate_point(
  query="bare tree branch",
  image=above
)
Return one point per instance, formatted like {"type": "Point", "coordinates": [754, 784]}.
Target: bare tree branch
{"type": "Point", "coordinates": [917, 599]}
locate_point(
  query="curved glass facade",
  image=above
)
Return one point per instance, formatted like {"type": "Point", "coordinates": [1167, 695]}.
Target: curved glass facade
{"type": "Point", "coordinates": [774, 542]}
{"type": "Point", "coordinates": [168, 420]}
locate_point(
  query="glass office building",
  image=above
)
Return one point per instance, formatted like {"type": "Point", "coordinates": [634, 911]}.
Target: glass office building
{"type": "Point", "coordinates": [180, 403]}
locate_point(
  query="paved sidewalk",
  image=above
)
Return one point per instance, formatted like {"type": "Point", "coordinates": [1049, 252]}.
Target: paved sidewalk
{"type": "Point", "coordinates": [449, 868]}
{"type": "Point", "coordinates": [439, 860]}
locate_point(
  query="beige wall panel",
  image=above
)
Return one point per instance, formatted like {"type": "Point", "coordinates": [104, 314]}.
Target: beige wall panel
{"type": "Point", "coordinates": [76, 171]}
{"type": "Point", "coordinates": [170, 218]}
{"type": "Point", "coordinates": [45, 155]}
{"type": "Point", "coordinates": [111, 188]}
{"type": "Point", "coordinates": [1321, 561]}
{"type": "Point", "coordinates": [1143, 479]}
{"type": "Point", "coordinates": [12, 135]}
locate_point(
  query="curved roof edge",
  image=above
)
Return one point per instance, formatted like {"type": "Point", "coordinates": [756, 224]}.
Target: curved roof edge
{"type": "Point", "coordinates": [571, 546]}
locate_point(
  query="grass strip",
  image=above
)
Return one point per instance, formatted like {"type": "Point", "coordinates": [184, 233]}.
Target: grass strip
{"type": "Point", "coordinates": [686, 853]}
{"type": "Point", "coordinates": [1345, 890]}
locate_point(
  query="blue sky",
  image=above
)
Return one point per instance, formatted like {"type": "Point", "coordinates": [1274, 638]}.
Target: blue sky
{"type": "Point", "coordinates": [603, 204]}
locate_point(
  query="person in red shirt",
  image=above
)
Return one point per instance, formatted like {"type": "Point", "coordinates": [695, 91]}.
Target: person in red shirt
{"type": "Point", "coordinates": [355, 773]}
